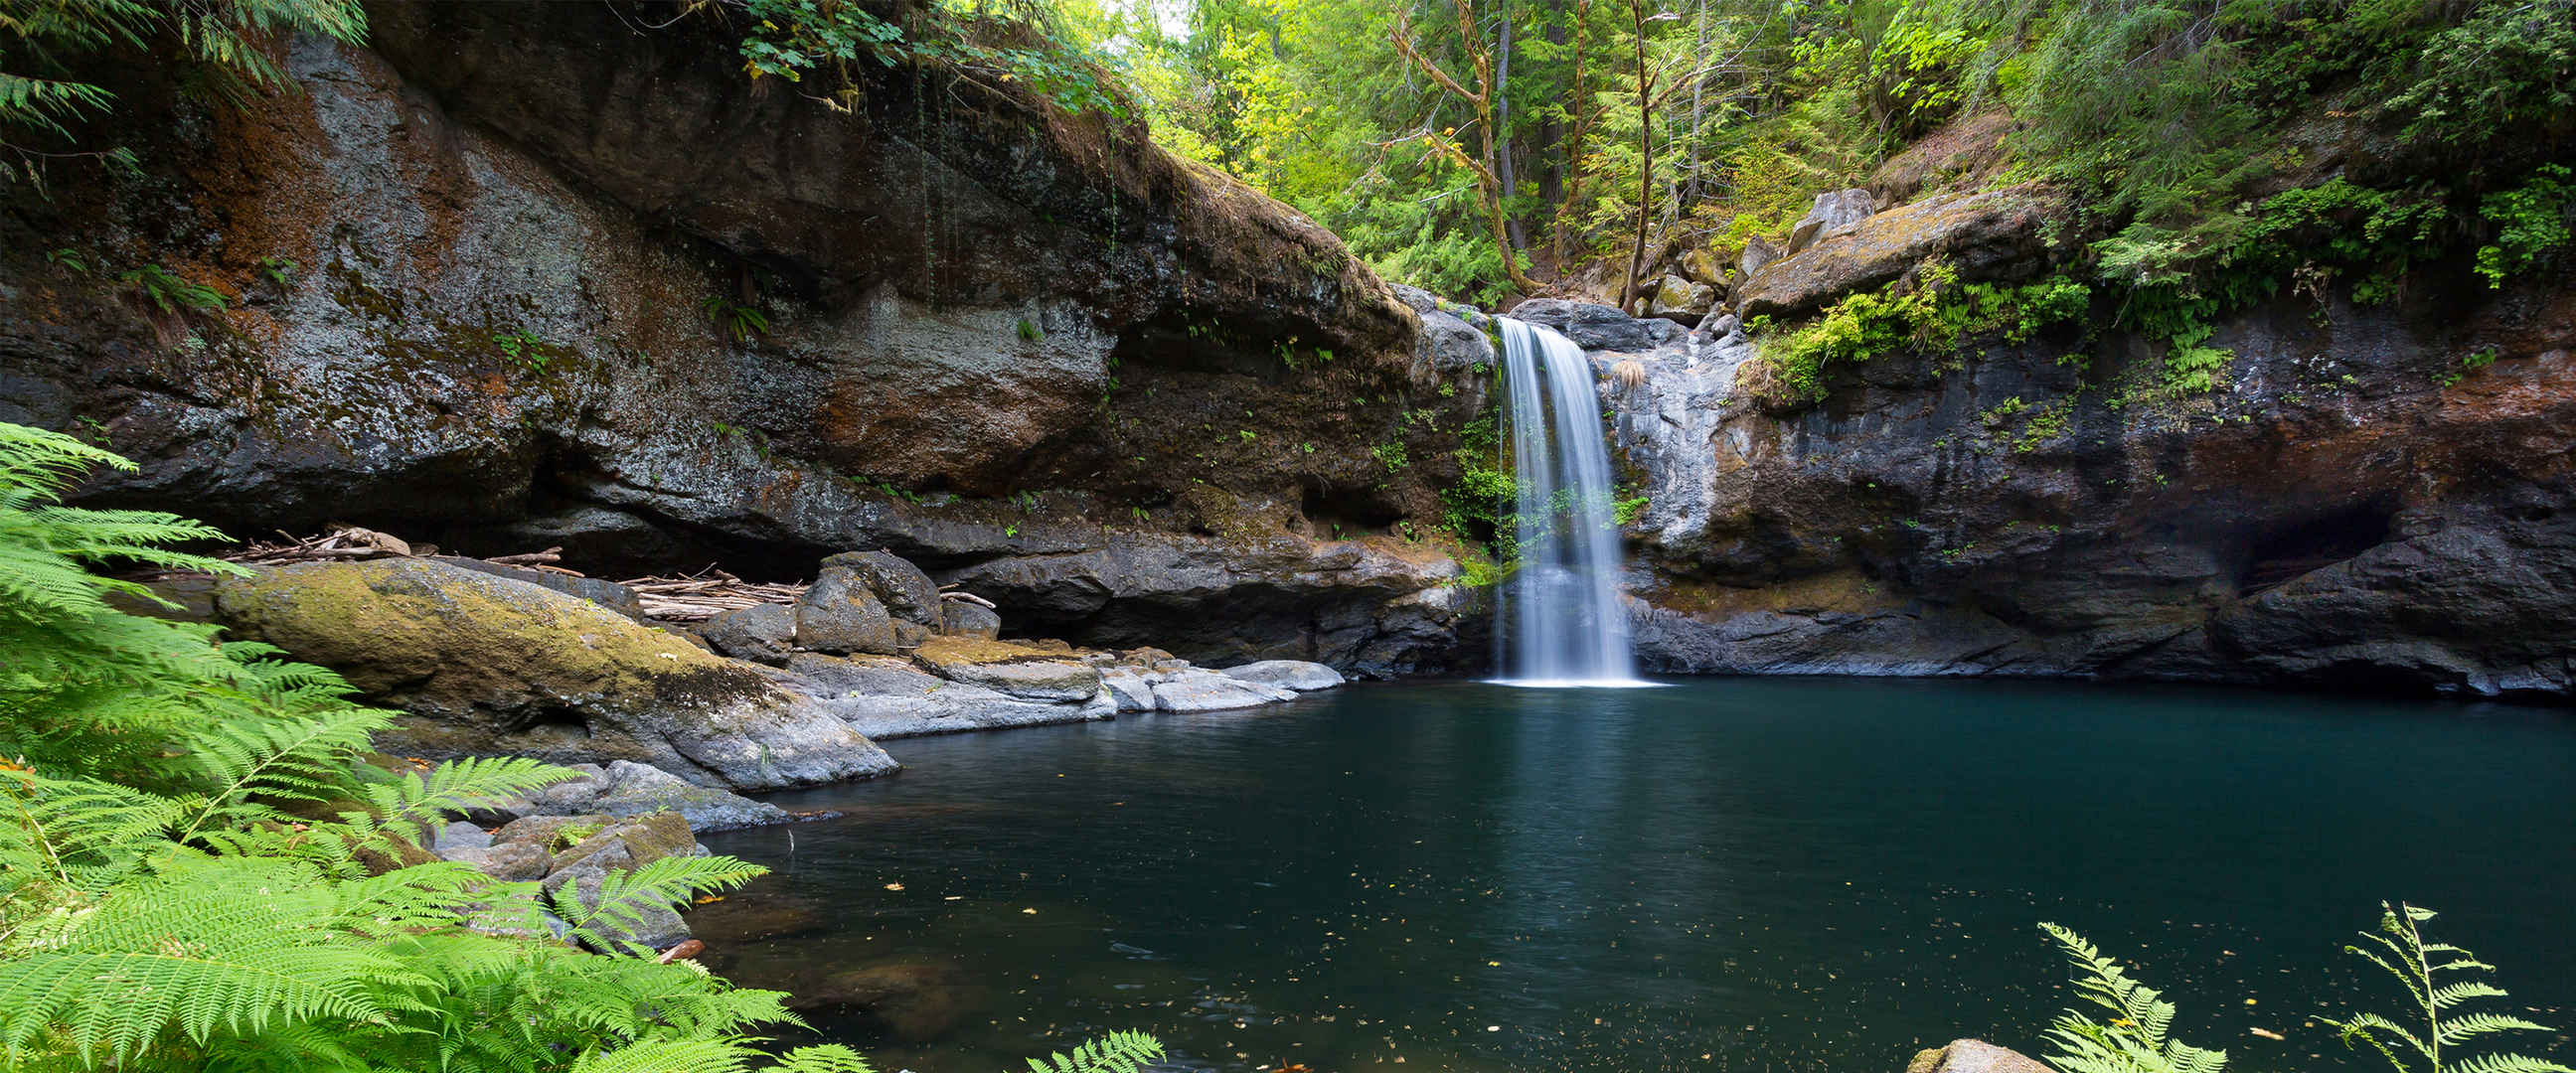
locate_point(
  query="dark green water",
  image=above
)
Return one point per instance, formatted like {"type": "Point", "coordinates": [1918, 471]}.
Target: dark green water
{"type": "Point", "coordinates": [1724, 874]}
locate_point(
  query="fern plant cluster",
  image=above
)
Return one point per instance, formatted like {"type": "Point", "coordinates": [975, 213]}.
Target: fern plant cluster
{"type": "Point", "coordinates": [2433, 1035]}
{"type": "Point", "coordinates": [198, 871]}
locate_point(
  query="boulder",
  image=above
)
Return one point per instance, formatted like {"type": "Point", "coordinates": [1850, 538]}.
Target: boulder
{"type": "Point", "coordinates": [460, 835]}
{"type": "Point", "coordinates": [1703, 263]}
{"type": "Point", "coordinates": [1293, 674]}
{"type": "Point", "coordinates": [635, 841]}
{"type": "Point", "coordinates": [1758, 254]}
{"type": "Point", "coordinates": [1132, 688]}
{"type": "Point", "coordinates": [1197, 690]}
{"type": "Point", "coordinates": [1992, 235]}
{"type": "Point", "coordinates": [1681, 301]}
{"type": "Point", "coordinates": [1832, 211]}
{"type": "Point", "coordinates": [841, 614]}
{"type": "Point", "coordinates": [884, 697]}
{"type": "Point", "coordinates": [761, 633]}
{"type": "Point", "coordinates": [483, 665]}
{"type": "Point", "coordinates": [1974, 1056]}
{"type": "Point", "coordinates": [509, 862]}
{"type": "Point", "coordinates": [974, 621]}
{"type": "Point", "coordinates": [625, 788]}
{"type": "Point", "coordinates": [1593, 326]}
{"type": "Point", "coordinates": [906, 592]}
{"type": "Point", "coordinates": [546, 831]}
{"type": "Point", "coordinates": [910, 1003]}
{"type": "Point", "coordinates": [601, 591]}
{"type": "Point", "coordinates": [643, 923]}
{"type": "Point", "coordinates": [1012, 670]}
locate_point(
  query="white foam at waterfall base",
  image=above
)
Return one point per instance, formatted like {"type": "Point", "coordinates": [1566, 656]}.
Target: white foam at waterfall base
{"type": "Point", "coordinates": [1559, 622]}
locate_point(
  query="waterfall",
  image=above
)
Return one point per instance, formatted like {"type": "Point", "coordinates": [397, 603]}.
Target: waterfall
{"type": "Point", "coordinates": [1559, 622]}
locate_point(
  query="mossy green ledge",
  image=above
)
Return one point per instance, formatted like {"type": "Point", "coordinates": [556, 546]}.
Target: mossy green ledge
{"type": "Point", "coordinates": [484, 665]}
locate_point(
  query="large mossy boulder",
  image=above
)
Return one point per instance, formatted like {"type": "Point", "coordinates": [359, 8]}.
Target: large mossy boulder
{"type": "Point", "coordinates": [485, 665]}
{"type": "Point", "coordinates": [1992, 235]}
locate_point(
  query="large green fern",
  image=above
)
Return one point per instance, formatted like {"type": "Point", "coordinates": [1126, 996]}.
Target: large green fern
{"type": "Point", "coordinates": [2439, 977]}
{"type": "Point", "coordinates": [2139, 1036]}
{"type": "Point", "coordinates": [168, 900]}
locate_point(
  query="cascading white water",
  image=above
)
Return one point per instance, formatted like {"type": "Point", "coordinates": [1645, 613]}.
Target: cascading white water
{"type": "Point", "coordinates": [1560, 622]}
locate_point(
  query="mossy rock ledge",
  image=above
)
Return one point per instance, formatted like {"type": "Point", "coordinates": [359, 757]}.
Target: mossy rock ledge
{"type": "Point", "coordinates": [487, 665]}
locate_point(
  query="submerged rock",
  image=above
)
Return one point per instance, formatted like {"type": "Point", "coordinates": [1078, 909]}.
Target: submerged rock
{"type": "Point", "coordinates": [482, 665]}
{"type": "Point", "coordinates": [911, 1003]}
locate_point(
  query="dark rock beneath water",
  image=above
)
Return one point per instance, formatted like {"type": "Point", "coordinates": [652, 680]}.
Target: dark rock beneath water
{"type": "Point", "coordinates": [911, 1003]}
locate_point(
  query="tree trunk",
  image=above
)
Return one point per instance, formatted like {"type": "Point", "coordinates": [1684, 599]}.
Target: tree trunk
{"type": "Point", "coordinates": [1503, 123]}
{"type": "Point", "coordinates": [1630, 296]}
{"type": "Point", "coordinates": [1574, 146]}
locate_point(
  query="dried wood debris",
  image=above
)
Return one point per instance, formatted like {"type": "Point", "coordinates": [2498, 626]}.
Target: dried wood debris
{"type": "Point", "coordinates": [701, 596]}
{"type": "Point", "coordinates": [344, 542]}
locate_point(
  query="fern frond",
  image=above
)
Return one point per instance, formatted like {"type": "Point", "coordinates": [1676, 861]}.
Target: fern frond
{"type": "Point", "coordinates": [2509, 1063]}
{"type": "Point", "coordinates": [2469, 1026]}
{"type": "Point", "coordinates": [822, 1058]}
{"type": "Point", "coordinates": [1117, 1052]}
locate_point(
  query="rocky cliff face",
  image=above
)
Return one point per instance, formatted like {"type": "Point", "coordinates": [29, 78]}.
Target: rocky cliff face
{"type": "Point", "coordinates": [2372, 498]}
{"type": "Point", "coordinates": [527, 275]}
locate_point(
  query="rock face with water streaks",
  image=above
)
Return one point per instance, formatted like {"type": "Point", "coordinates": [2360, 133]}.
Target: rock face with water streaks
{"type": "Point", "coordinates": [2360, 504]}
{"type": "Point", "coordinates": [525, 275]}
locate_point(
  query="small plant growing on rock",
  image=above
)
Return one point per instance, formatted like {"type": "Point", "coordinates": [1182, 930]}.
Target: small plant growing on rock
{"type": "Point", "coordinates": [277, 269]}
{"type": "Point", "coordinates": [1030, 332]}
{"type": "Point", "coordinates": [523, 349]}
{"type": "Point", "coordinates": [67, 261]}
{"type": "Point", "coordinates": [169, 293]}
{"type": "Point", "coordinates": [735, 320]}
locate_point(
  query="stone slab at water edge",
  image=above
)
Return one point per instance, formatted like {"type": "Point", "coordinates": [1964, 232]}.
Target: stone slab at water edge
{"type": "Point", "coordinates": [484, 665]}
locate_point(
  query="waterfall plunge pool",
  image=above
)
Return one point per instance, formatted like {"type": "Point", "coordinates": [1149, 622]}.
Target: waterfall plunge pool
{"type": "Point", "coordinates": [1810, 874]}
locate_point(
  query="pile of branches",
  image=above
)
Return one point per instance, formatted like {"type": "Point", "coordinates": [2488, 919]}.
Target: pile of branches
{"type": "Point", "coordinates": [701, 596]}
{"type": "Point", "coordinates": [354, 542]}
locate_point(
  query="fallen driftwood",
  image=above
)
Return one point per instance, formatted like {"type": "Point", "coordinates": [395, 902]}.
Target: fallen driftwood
{"type": "Point", "coordinates": [343, 542]}
{"type": "Point", "coordinates": [704, 595]}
